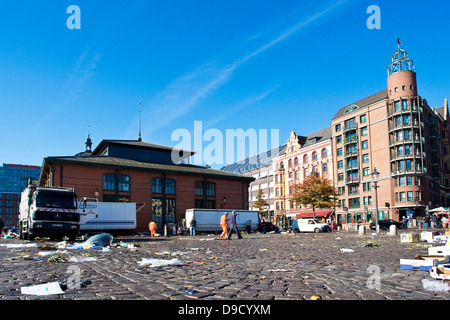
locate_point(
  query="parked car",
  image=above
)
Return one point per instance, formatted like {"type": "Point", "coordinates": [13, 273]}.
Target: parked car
{"type": "Point", "coordinates": [269, 227]}
{"type": "Point", "coordinates": [385, 224]}
{"type": "Point", "coordinates": [310, 225]}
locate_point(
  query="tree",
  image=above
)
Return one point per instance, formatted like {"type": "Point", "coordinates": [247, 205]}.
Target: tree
{"type": "Point", "coordinates": [316, 192]}
{"type": "Point", "coordinates": [260, 203]}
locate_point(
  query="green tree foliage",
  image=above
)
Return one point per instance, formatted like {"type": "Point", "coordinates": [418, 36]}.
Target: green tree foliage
{"type": "Point", "coordinates": [261, 204]}
{"type": "Point", "coordinates": [316, 192]}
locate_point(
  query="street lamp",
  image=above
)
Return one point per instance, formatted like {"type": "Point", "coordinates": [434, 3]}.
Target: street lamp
{"type": "Point", "coordinates": [375, 174]}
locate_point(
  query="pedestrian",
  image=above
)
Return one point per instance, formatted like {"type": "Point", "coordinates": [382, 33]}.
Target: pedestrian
{"type": "Point", "coordinates": [426, 221]}
{"type": "Point", "coordinates": [234, 227]}
{"type": "Point", "coordinates": [224, 225]}
{"type": "Point", "coordinates": [434, 220]}
{"type": "Point", "coordinates": [249, 226]}
{"type": "Point", "coordinates": [264, 223]}
{"type": "Point", "coordinates": [152, 227]}
{"type": "Point", "coordinates": [193, 226]}
{"type": "Point", "coordinates": [405, 223]}
{"type": "Point", "coordinates": [2, 226]}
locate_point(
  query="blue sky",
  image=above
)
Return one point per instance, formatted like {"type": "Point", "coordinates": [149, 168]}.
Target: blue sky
{"type": "Point", "coordinates": [261, 64]}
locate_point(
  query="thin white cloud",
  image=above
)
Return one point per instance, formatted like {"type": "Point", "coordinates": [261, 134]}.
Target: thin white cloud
{"type": "Point", "coordinates": [184, 93]}
{"type": "Point", "coordinates": [242, 104]}
{"type": "Point", "coordinates": [82, 72]}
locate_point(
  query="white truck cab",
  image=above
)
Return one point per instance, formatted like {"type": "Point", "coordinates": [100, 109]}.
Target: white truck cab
{"type": "Point", "coordinates": [310, 225]}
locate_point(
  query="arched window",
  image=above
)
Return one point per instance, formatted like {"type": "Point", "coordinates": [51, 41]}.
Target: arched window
{"type": "Point", "coordinates": [296, 161]}
{"type": "Point", "coordinates": [305, 158]}
{"type": "Point", "coordinates": [324, 153]}
{"type": "Point", "coordinates": [314, 155]}
{"type": "Point", "coordinates": [290, 163]}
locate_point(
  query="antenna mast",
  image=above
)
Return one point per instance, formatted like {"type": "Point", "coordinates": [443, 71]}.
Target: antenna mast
{"type": "Point", "coordinates": [139, 137]}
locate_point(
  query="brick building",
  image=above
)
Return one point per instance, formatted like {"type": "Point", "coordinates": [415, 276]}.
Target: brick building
{"type": "Point", "coordinates": [399, 134]}
{"type": "Point", "coordinates": [303, 156]}
{"type": "Point", "coordinates": [141, 172]}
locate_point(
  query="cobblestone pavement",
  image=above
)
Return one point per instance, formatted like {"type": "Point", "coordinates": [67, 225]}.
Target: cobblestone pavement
{"type": "Point", "coordinates": [257, 267]}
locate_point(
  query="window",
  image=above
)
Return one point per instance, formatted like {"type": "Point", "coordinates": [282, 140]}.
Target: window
{"type": "Point", "coordinates": [339, 139]}
{"type": "Point", "coordinates": [109, 183]}
{"type": "Point", "coordinates": [124, 183]}
{"type": "Point", "coordinates": [401, 181]}
{"type": "Point", "coordinates": [325, 167]}
{"type": "Point", "coordinates": [296, 161]}
{"type": "Point", "coordinates": [338, 127]}
{"type": "Point", "coordinates": [402, 196]}
{"type": "Point", "coordinates": [290, 163]}
{"type": "Point", "coordinates": [409, 181]}
{"type": "Point", "coordinates": [404, 104]}
{"type": "Point", "coordinates": [340, 176]}
{"type": "Point", "coordinates": [170, 186]}
{"type": "Point", "coordinates": [365, 158]}
{"type": "Point", "coordinates": [397, 106]}
{"type": "Point", "coordinates": [364, 131]}
{"type": "Point", "coordinates": [324, 153]}
{"type": "Point", "coordinates": [410, 196]}
{"type": "Point", "coordinates": [210, 189]}
{"type": "Point", "coordinates": [363, 118]}
{"type": "Point", "coordinates": [198, 188]}
{"type": "Point", "coordinates": [314, 155]}
{"type": "Point", "coordinates": [157, 185]}
{"type": "Point", "coordinates": [365, 144]}
{"type": "Point", "coordinates": [305, 158]}
{"type": "Point", "coordinates": [366, 172]}
{"type": "Point", "coordinates": [339, 151]}
{"type": "Point", "coordinates": [340, 164]}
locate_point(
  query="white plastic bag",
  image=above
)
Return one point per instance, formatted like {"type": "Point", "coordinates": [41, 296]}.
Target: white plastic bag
{"type": "Point", "coordinates": [435, 285]}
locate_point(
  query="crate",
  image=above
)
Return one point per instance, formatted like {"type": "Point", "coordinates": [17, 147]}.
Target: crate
{"type": "Point", "coordinates": [409, 237]}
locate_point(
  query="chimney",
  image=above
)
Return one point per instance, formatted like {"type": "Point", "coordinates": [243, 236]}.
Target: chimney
{"type": "Point", "coordinates": [445, 109]}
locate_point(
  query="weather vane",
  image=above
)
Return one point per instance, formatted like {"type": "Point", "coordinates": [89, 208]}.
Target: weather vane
{"type": "Point", "coordinates": [399, 42]}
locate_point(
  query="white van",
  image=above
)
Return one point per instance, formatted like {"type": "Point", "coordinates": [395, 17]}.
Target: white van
{"type": "Point", "coordinates": [310, 225]}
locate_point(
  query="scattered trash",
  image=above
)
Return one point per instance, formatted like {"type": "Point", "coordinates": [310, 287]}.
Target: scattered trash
{"type": "Point", "coordinates": [434, 285]}
{"type": "Point", "coordinates": [372, 245]}
{"type": "Point", "coordinates": [57, 258]}
{"type": "Point", "coordinates": [82, 259]}
{"type": "Point", "coordinates": [347, 250]}
{"type": "Point", "coordinates": [18, 245]}
{"type": "Point", "coordinates": [316, 298]}
{"type": "Point", "coordinates": [100, 240]}
{"type": "Point", "coordinates": [43, 289]}
{"type": "Point", "coordinates": [160, 262]}
{"type": "Point", "coordinates": [190, 291]}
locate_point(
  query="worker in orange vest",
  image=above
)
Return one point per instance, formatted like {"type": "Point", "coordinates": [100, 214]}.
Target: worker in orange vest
{"type": "Point", "coordinates": [224, 225]}
{"type": "Point", "coordinates": [152, 227]}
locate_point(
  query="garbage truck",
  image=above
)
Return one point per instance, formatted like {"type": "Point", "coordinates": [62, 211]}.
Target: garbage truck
{"type": "Point", "coordinates": [48, 212]}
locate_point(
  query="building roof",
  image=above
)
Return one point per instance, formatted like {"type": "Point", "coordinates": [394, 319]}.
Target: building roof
{"type": "Point", "coordinates": [316, 137]}
{"type": "Point", "coordinates": [134, 143]}
{"type": "Point", "coordinates": [381, 95]}
{"type": "Point", "coordinates": [113, 162]}
{"type": "Point", "coordinates": [260, 160]}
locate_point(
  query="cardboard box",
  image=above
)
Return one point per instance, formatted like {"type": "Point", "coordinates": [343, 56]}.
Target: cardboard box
{"type": "Point", "coordinates": [415, 264]}
{"type": "Point", "coordinates": [409, 237]}
{"type": "Point", "coordinates": [440, 272]}
{"type": "Point", "coordinates": [440, 250]}
{"type": "Point", "coordinates": [427, 236]}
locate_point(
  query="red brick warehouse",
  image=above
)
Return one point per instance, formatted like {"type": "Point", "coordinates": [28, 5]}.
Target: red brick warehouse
{"type": "Point", "coordinates": [141, 172]}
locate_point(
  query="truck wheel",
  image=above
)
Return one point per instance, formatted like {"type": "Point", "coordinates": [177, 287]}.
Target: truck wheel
{"type": "Point", "coordinates": [31, 237]}
{"type": "Point", "coordinates": [316, 230]}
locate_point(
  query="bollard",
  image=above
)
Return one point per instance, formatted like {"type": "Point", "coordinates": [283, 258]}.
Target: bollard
{"type": "Point", "coordinates": [393, 230]}
{"type": "Point", "coordinates": [362, 230]}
